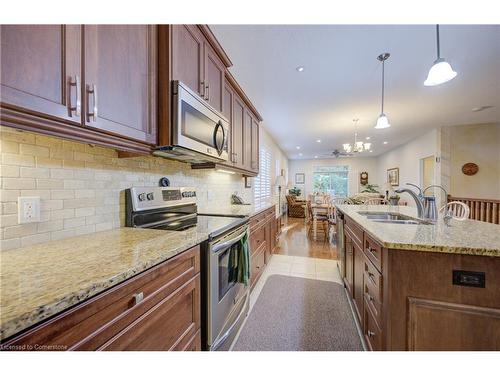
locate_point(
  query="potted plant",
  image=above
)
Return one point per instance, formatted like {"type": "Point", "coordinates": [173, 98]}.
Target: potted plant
{"type": "Point", "coordinates": [394, 199]}
{"type": "Point", "coordinates": [295, 191]}
{"type": "Point", "coordinates": [370, 188]}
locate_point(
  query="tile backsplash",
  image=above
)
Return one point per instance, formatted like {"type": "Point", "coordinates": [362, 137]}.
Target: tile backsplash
{"type": "Point", "coordinates": [81, 186]}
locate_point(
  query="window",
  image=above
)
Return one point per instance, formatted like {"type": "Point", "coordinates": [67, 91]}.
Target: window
{"type": "Point", "coordinates": [262, 183]}
{"type": "Point", "coordinates": [333, 180]}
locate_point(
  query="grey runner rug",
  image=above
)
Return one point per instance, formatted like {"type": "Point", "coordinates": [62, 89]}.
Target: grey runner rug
{"type": "Point", "coordinates": [293, 313]}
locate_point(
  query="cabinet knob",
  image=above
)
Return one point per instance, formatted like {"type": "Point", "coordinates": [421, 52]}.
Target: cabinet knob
{"type": "Point", "coordinates": [370, 333]}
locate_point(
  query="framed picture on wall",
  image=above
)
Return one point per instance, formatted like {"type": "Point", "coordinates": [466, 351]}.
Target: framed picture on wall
{"type": "Point", "coordinates": [300, 178]}
{"type": "Point", "coordinates": [248, 182]}
{"type": "Point", "coordinates": [393, 176]}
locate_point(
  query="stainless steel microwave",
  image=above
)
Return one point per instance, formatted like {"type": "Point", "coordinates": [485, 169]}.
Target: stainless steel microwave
{"type": "Point", "coordinates": [200, 133]}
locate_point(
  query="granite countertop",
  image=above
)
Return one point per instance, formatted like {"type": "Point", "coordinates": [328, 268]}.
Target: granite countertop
{"type": "Point", "coordinates": [243, 210]}
{"type": "Point", "coordinates": [462, 237]}
{"type": "Point", "coordinates": [39, 281]}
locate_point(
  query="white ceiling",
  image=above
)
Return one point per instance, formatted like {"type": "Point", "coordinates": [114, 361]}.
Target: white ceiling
{"type": "Point", "coordinates": [342, 80]}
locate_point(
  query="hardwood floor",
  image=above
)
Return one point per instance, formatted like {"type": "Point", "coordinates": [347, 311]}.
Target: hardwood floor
{"type": "Point", "coordinates": [294, 241]}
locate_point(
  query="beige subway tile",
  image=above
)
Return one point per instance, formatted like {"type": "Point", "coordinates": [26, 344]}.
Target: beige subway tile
{"type": "Point", "coordinates": [74, 222]}
{"type": "Point", "coordinates": [79, 203]}
{"type": "Point", "coordinates": [9, 208]}
{"type": "Point", "coordinates": [47, 162]}
{"type": "Point", "coordinates": [103, 226]}
{"type": "Point", "coordinates": [73, 163]}
{"type": "Point", "coordinates": [18, 136]}
{"type": "Point", "coordinates": [100, 218]}
{"type": "Point", "coordinates": [9, 244]}
{"type": "Point", "coordinates": [62, 194]}
{"type": "Point", "coordinates": [49, 184]}
{"type": "Point", "coordinates": [50, 226]}
{"type": "Point", "coordinates": [21, 160]}
{"type": "Point", "coordinates": [43, 194]}
{"type": "Point", "coordinates": [86, 229]}
{"type": "Point", "coordinates": [83, 156]}
{"type": "Point", "coordinates": [8, 220]}
{"type": "Point", "coordinates": [61, 173]}
{"type": "Point", "coordinates": [11, 183]}
{"type": "Point", "coordinates": [35, 239]}
{"type": "Point", "coordinates": [26, 149]}
{"type": "Point", "coordinates": [9, 195]}
{"type": "Point", "coordinates": [61, 153]}
{"type": "Point", "coordinates": [62, 214]}
{"type": "Point", "coordinates": [9, 146]}
{"type": "Point", "coordinates": [85, 211]}
{"type": "Point", "coordinates": [75, 146]}
{"type": "Point", "coordinates": [61, 234]}
{"type": "Point", "coordinates": [83, 174]}
{"type": "Point", "coordinates": [20, 230]}
{"type": "Point", "coordinates": [43, 140]}
{"type": "Point", "coordinates": [9, 170]}
{"type": "Point", "coordinates": [51, 205]}
{"type": "Point", "coordinates": [85, 193]}
{"type": "Point", "coordinates": [74, 184]}
{"type": "Point", "coordinates": [34, 172]}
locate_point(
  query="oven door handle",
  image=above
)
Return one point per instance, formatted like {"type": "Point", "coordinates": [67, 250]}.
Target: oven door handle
{"type": "Point", "coordinates": [223, 338]}
{"type": "Point", "coordinates": [217, 248]}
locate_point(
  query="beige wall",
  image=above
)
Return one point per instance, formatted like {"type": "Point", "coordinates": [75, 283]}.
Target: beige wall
{"type": "Point", "coordinates": [478, 144]}
{"type": "Point", "coordinates": [82, 187]}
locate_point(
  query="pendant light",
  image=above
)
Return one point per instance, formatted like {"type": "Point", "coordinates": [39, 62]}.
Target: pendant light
{"type": "Point", "coordinates": [383, 121]}
{"type": "Point", "coordinates": [441, 71]}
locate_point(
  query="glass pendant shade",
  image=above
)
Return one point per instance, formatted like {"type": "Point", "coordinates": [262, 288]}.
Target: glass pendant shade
{"type": "Point", "coordinates": [439, 73]}
{"type": "Point", "coordinates": [347, 147]}
{"type": "Point", "coordinates": [382, 122]}
{"type": "Point", "coordinates": [359, 146]}
{"type": "Point", "coordinates": [368, 146]}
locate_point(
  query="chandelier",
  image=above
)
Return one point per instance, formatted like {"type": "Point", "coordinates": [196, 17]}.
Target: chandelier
{"type": "Point", "coordinates": [357, 146]}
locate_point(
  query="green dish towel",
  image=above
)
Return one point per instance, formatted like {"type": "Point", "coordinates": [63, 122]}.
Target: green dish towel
{"type": "Point", "coordinates": [239, 262]}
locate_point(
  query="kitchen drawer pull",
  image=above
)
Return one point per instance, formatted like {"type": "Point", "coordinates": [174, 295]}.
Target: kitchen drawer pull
{"type": "Point", "coordinates": [207, 91]}
{"type": "Point", "coordinates": [369, 296]}
{"type": "Point", "coordinates": [75, 82]}
{"type": "Point", "coordinates": [371, 250]}
{"type": "Point", "coordinates": [92, 90]}
{"type": "Point", "coordinates": [202, 89]}
{"type": "Point", "coordinates": [370, 333]}
{"type": "Point", "coordinates": [138, 298]}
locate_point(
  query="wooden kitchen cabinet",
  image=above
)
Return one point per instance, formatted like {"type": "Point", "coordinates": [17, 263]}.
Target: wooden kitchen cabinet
{"type": "Point", "coordinates": [158, 309]}
{"type": "Point", "coordinates": [255, 146]}
{"type": "Point", "coordinates": [227, 111]}
{"type": "Point", "coordinates": [357, 290]}
{"type": "Point", "coordinates": [349, 266]}
{"type": "Point", "coordinates": [92, 83]}
{"type": "Point", "coordinates": [237, 128]}
{"type": "Point", "coordinates": [120, 80]}
{"type": "Point", "coordinates": [247, 141]}
{"type": "Point", "coordinates": [41, 70]}
{"type": "Point", "coordinates": [213, 78]}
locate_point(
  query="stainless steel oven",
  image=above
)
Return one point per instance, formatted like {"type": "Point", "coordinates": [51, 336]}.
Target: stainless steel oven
{"type": "Point", "coordinates": [200, 133]}
{"type": "Point", "coordinates": [227, 300]}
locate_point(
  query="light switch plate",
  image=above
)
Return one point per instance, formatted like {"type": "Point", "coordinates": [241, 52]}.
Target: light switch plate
{"type": "Point", "coordinates": [28, 210]}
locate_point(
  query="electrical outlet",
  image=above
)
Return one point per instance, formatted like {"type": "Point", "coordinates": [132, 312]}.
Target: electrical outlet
{"type": "Point", "coordinates": [28, 210]}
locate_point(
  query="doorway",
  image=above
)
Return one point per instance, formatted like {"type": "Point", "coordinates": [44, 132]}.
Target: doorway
{"type": "Point", "coordinates": [427, 166]}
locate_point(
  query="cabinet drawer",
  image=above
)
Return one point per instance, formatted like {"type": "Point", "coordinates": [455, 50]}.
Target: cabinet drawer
{"type": "Point", "coordinates": [257, 239]}
{"type": "Point", "coordinates": [371, 331]}
{"type": "Point", "coordinates": [257, 265]}
{"type": "Point", "coordinates": [256, 221]}
{"type": "Point", "coordinates": [373, 251]}
{"type": "Point", "coordinates": [373, 280]}
{"type": "Point", "coordinates": [90, 324]}
{"type": "Point", "coordinates": [166, 325]}
{"type": "Point", "coordinates": [355, 232]}
{"type": "Point", "coordinates": [371, 298]}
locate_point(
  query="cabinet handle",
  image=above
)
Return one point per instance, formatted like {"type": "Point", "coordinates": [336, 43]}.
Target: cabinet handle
{"type": "Point", "coordinates": [370, 333]}
{"type": "Point", "coordinates": [370, 298]}
{"type": "Point", "coordinates": [75, 82]}
{"type": "Point", "coordinates": [202, 89]}
{"type": "Point", "coordinates": [138, 298]}
{"type": "Point", "coordinates": [207, 90]}
{"type": "Point", "coordinates": [370, 249]}
{"type": "Point", "coordinates": [371, 276]}
{"type": "Point", "coordinates": [92, 90]}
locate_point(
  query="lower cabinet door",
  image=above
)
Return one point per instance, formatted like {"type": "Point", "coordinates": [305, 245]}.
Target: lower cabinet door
{"type": "Point", "coordinates": [359, 267]}
{"type": "Point", "coordinates": [349, 267]}
{"type": "Point", "coordinates": [257, 264]}
{"type": "Point", "coordinates": [169, 325]}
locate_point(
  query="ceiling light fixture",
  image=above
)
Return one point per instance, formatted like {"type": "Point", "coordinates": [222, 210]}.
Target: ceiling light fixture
{"type": "Point", "coordinates": [383, 121]}
{"type": "Point", "coordinates": [441, 71]}
{"type": "Point", "coordinates": [367, 138]}
{"type": "Point", "coordinates": [298, 147]}
{"type": "Point", "coordinates": [300, 69]}
{"type": "Point", "coordinates": [357, 146]}
{"type": "Point", "coordinates": [318, 140]}
{"type": "Point", "coordinates": [300, 153]}
{"type": "Point", "coordinates": [385, 142]}
{"type": "Point", "coordinates": [315, 156]}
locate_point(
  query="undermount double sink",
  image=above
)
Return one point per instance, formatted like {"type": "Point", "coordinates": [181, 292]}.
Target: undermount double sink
{"type": "Point", "coordinates": [392, 218]}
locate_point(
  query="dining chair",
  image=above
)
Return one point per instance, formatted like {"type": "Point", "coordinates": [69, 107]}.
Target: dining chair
{"type": "Point", "coordinates": [321, 221]}
{"type": "Point", "coordinates": [458, 210]}
{"type": "Point", "coordinates": [374, 201]}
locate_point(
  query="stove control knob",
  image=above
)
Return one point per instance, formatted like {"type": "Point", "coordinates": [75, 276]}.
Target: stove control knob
{"type": "Point", "coordinates": [142, 197]}
{"type": "Point", "coordinates": [150, 196]}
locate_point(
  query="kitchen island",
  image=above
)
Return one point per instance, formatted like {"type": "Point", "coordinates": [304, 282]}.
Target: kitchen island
{"type": "Point", "coordinates": [408, 282]}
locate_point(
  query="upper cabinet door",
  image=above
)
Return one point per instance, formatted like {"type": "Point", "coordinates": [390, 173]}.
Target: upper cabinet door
{"type": "Point", "coordinates": [213, 78]}
{"type": "Point", "coordinates": [40, 69]}
{"type": "Point", "coordinates": [227, 111]}
{"type": "Point", "coordinates": [247, 141]}
{"type": "Point", "coordinates": [120, 80]}
{"type": "Point", "coordinates": [187, 56]}
{"type": "Point", "coordinates": [237, 130]}
{"type": "Point", "coordinates": [255, 146]}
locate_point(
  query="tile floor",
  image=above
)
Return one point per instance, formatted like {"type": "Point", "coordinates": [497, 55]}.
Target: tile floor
{"type": "Point", "coordinates": [312, 268]}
